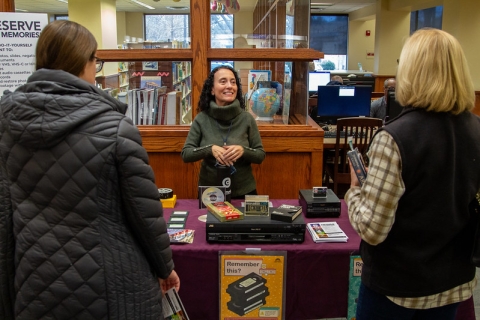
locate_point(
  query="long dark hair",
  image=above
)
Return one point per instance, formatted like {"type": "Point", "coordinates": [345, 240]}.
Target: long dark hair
{"type": "Point", "coordinates": [206, 95]}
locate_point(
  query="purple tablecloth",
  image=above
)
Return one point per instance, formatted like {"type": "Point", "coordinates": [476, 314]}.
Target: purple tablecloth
{"type": "Point", "coordinates": [317, 273]}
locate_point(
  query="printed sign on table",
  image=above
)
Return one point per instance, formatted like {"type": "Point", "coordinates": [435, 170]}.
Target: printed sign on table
{"type": "Point", "coordinates": [19, 34]}
{"type": "Point", "coordinates": [252, 285]}
{"type": "Point", "coordinates": [355, 276]}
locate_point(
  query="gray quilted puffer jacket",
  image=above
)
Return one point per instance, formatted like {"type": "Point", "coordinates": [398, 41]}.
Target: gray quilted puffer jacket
{"type": "Point", "coordinates": [82, 234]}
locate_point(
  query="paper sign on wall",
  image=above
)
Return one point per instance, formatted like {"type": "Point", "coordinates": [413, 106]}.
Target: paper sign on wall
{"type": "Point", "coordinates": [19, 34]}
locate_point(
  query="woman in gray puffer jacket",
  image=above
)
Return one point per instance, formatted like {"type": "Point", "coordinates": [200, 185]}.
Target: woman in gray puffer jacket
{"type": "Point", "coordinates": [82, 234]}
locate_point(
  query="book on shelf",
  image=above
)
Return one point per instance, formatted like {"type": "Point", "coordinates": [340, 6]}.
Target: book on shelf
{"type": "Point", "coordinates": [172, 112]}
{"type": "Point", "coordinates": [254, 76]}
{"type": "Point", "coordinates": [285, 212]}
{"type": "Point", "coordinates": [224, 211]}
{"type": "Point", "coordinates": [326, 232]}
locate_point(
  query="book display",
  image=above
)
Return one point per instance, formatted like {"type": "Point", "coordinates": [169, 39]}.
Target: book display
{"type": "Point", "coordinates": [182, 82]}
{"type": "Point", "coordinates": [326, 232]}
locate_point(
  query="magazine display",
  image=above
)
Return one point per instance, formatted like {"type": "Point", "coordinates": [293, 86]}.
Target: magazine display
{"type": "Point", "coordinates": [326, 232]}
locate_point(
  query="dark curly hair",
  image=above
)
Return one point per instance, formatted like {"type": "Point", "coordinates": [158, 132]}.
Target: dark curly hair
{"type": "Point", "coordinates": [206, 95]}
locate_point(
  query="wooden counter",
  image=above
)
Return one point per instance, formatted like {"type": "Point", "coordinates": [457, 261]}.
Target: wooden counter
{"type": "Point", "coordinates": [293, 161]}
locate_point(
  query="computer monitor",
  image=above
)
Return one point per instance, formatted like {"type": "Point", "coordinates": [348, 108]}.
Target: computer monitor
{"type": "Point", "coordinates": [317, 78]}
{"type": "Point", "coordinates": [393, 107]}
{"type": "Point", "coordinates": [335, 102]}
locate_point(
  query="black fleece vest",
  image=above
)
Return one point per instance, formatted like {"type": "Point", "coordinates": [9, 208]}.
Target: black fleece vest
{"type": "Point", "coordinates": [428, 248]}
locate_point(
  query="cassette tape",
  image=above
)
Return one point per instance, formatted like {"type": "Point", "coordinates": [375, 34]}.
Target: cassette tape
{"type": "Point", "coordinates": [245, 285]}
{"type": "Point", "coordinates": [242, 299]}
{"type": "Point", "coordinates": [244, 309]}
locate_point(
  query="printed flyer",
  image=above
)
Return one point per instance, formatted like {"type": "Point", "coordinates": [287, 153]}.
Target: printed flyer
{"type": "Point", "coordinates": [252, 285]}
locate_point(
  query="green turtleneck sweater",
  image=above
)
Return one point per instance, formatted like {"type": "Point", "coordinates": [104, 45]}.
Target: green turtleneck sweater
{"type": "Point", "coordinates": [237, 127]}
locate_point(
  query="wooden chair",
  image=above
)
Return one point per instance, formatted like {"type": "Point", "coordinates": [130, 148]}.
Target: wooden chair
{"type": "Point", "coordinates": [362, 130]}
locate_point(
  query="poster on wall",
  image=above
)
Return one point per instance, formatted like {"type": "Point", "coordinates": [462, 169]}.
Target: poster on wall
{"type": "Point", "coordinates": [19, 34]}
{"type": "Point", "coordinates": [252, 284]}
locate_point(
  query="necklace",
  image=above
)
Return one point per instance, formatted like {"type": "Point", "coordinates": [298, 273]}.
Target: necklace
{"type": "Point", "coordinates": [226, 137]}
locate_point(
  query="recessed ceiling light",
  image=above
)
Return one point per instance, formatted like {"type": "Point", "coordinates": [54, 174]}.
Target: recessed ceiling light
{"type": "Point", "coordinates": [64, 1]}
{"type": "Point", "coordinates": [21, 10]}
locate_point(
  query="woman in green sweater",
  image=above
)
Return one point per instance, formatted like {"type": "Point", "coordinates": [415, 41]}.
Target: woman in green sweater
{"type": "Point", "coordinates": [223, 133]}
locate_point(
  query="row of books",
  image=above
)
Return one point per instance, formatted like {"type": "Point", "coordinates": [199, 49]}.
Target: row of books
{"type": "Point", "coordinates": [152, 106]}
{"type": "Point", "coordinates": [181, 70]}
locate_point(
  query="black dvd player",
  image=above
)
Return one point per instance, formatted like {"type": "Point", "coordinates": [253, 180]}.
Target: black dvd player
{"type": "Point", "coordinates": [255, 229]}
{"type": "Point", "coordinates": [319, 207]}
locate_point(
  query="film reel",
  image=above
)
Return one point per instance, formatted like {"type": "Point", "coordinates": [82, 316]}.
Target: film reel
{"type": "Point", "coordinates": [165, 193]}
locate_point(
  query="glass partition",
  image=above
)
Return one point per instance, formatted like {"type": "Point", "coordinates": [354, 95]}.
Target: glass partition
{"type": "Point", "coordinates": [268, 24]}
{"type": "Point", "coordinates": [160, 92]}
{"type": "Point", "coordinates": [157, 92]}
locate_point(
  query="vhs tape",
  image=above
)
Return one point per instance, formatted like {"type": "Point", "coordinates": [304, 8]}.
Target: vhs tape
{"type": "Point", "coordinates": [242, 299]}
{"type": "Point", "coordinates": [244, 309]}
{"type": "Point", "coordinates": [246, 284]}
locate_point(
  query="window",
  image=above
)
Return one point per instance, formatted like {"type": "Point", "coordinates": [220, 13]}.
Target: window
{"type": "Point", "coordinates": [175, 27]}
{"type": "Point", "coordinates": [58, 17]}
{"type": "Point", "coordinates": [221, 30]}
{"type": "Point", "coordinates": [431, 17]}
{"type": "Point", "coordinates": [168, 28]}
{"type": "Point", "coordinates": [329, 34]}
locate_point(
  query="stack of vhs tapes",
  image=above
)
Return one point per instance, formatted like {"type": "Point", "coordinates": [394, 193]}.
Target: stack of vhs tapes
{"type": "Point", "coordinates": [247, 294]}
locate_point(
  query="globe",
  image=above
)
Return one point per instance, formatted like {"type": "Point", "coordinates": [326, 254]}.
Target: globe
{"type": "Point", "coordinates": [265, 102]}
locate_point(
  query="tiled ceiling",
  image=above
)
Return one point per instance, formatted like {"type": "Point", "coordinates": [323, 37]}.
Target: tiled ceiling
{"type": "Point", "coordinates": [58, 7]}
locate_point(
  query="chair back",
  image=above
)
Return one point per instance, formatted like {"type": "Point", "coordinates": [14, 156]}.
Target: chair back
{"type": "Point", "coordinates": [361, 129]}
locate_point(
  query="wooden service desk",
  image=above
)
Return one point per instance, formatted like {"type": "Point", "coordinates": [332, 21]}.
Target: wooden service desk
{"type": "Point", "coordinates": [316, 278]}
{"type": "Point", "coordinates": [293, 160]}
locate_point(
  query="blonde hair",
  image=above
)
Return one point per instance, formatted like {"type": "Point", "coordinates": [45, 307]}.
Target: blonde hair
{"type": "Point", "coordinates": [65, 45]}
{"type": "Point", "coordinates": [433, 73]}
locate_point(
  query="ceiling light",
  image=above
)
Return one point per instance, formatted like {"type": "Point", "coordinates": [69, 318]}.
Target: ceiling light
{"type": "Point", "coordinates": [177, 8]}
{"type": "Point", "coordinates": [140, 3]}
{"type": "Point", "coordinates": [64, 1]}
{"type": "Point", "coordinates": [321, 4]}
{"type": "Point", "coordinates": [21, 10]}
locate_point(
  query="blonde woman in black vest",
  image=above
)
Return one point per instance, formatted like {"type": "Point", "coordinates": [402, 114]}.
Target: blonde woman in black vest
{"type": "Point", "coordinates": [412, 213]}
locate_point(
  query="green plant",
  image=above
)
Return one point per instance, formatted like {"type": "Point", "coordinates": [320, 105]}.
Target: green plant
{"type": "Point", "coordinates": [327, 65]}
